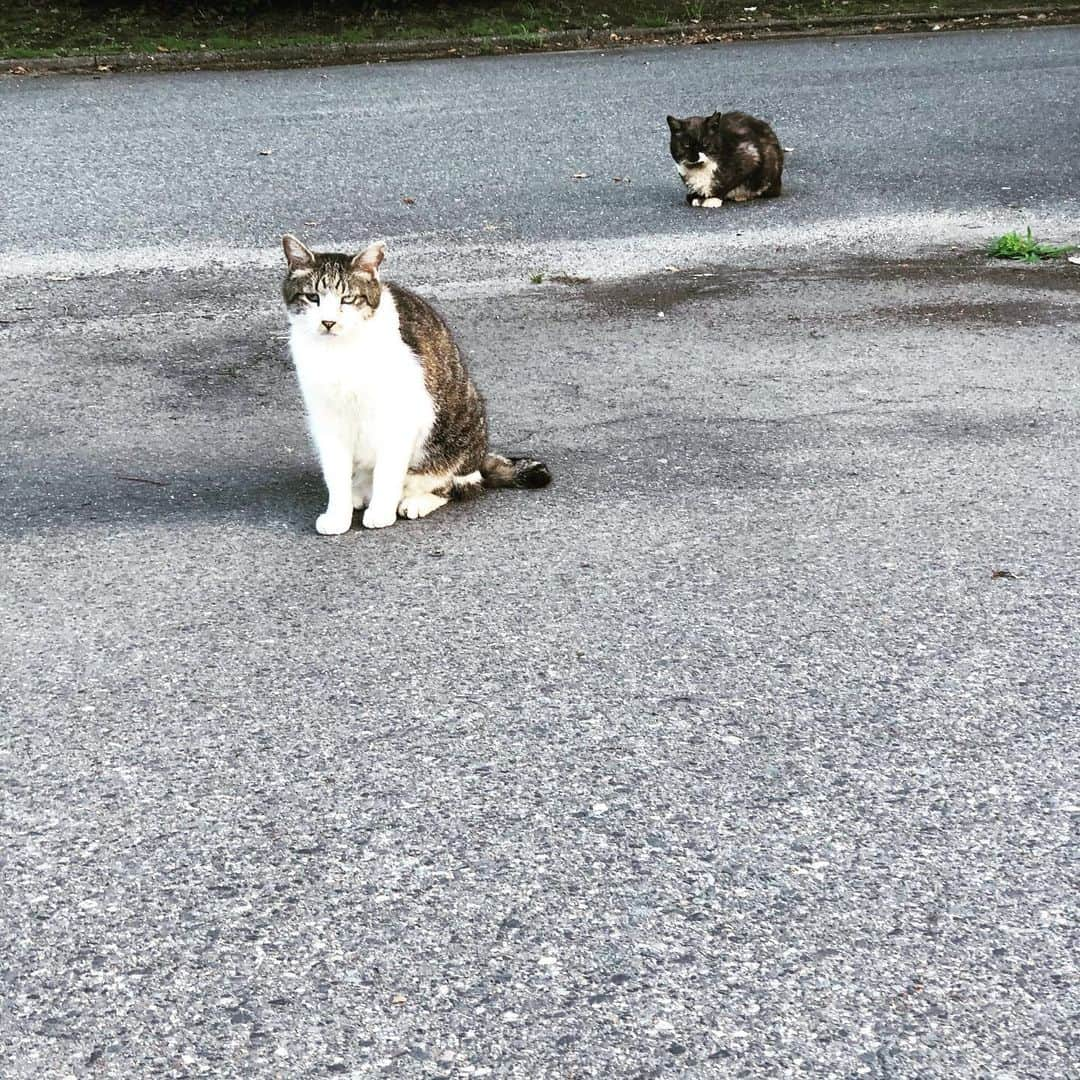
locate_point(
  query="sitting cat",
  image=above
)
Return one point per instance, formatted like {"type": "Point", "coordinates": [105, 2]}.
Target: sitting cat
{"type": "Point", "coordinates": [726, 156]}
{"type": "Point", "coordinates": [398, 425]}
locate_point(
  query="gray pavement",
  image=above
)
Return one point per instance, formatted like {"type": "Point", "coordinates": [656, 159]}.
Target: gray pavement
{"type": "Point", "coordinates": [897, 141]}
{"type": "Point", "coordinates": [727, 755]}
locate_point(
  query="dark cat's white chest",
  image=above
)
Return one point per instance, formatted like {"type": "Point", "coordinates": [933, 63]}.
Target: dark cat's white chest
{"type": "Point", "coordinates": [699, 178]}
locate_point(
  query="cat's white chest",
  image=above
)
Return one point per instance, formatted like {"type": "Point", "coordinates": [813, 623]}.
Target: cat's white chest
{"type": "Point", "coordinates": [364, 391]}
{"type": "Point", "coordinates": [699, 176]}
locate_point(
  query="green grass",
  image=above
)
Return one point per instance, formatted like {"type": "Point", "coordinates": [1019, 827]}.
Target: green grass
{"type": "Point", "coordinates": [536, 279]}
{"type": "Point", "coordinates": [93, 27]}
{"type": "Point", "coordinates": [1026, 248]}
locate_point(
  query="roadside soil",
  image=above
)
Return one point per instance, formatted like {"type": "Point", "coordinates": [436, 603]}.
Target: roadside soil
{"type": "Point", "coordinates": [38, 39]}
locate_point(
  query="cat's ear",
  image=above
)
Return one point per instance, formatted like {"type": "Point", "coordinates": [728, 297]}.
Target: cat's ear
{"type": "Point", "coordinates": [369, 260]}
{"type": "Point", "coordinates": [298, 256]}
{"type": "Point", "coordinates": [674, 123]}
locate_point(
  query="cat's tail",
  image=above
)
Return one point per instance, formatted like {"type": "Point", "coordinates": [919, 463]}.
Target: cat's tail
{"type": "Point", "coordinates": [498, 471]}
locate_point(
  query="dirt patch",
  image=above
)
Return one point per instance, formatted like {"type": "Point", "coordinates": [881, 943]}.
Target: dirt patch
{"type": "Point", "coordinates": [666, 290]}
{"type": "Point", "coordinates": [965, 268]}
{"type": "Point", "coordinates": [990, 313]}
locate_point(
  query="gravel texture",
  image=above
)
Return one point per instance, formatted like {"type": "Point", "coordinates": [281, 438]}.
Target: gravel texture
{"type": "Point", "coordinates": [747, 749]}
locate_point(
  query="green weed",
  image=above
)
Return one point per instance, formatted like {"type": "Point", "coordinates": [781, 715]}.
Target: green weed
{"type": "Point", "coordinates": [1026, 248]}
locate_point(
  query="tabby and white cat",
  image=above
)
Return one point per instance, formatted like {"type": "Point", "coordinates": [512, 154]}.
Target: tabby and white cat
{"type": "Point", "coordinates": [726, 156]}
{"type": "Point", "coordinates": [399, 427]}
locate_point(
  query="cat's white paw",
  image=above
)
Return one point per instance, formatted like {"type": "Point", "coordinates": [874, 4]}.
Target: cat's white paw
{"type": "Point", "coordinates": [418, 506]}
{"type": "Point", "coordinates": [712, 202]}
{"type": "Point", "coordinates": [695, 202]}
{"type": "Point", "coordinates": [378, 519]}
{"type": "Point", "coordinates": [333, 524]}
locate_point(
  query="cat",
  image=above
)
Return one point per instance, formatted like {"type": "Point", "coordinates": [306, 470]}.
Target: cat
{"type": "Point", "coordinates": [726, 156]}
{"type": "Point", "coordinates": [398, 425]}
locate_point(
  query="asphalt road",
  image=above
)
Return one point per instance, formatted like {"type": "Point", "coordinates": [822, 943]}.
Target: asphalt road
{"type": "Point", "coordinates": [896, 141]}
{"type": "Point", "coordinates": [748, 748]}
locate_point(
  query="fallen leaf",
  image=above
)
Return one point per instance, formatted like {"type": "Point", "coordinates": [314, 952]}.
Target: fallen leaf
{"type": "Point", "coordinates": [265, 153]}
{"type": "Point", "coordinates": [311, 223]}
{"type": "Point", "coordinates": [104, 67]}
{"type": "Point", "coordinates": [398, 999]}
{"type": "Point", "coordinates": [672, 269]}
{"type": "Point", "coordinates": [1074, 259]}
{"type": "Point", "coordinates": [162, 48]}
{"type": "Point", "coordinates": [621, 179]}
{"type": "Point", "coordinates": [580, 176]}
{"type": "Point", "coordinates": [20, 70]}
{"type": "Point", "coordinates": [1003, 574]}
{"type": "Point", "coordinates": [408, 200]}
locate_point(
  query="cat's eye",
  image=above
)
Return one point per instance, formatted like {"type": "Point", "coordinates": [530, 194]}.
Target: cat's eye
{"type": "Point", "coordinates": [350, 299]}
{"type": "Point", "coordinates": [311, 297]}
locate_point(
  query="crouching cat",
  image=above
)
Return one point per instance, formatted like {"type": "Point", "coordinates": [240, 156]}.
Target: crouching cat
{"type": "Point", "coordinates": [398, 425]}
{"type": "Point", "coordinates": [726, 156]}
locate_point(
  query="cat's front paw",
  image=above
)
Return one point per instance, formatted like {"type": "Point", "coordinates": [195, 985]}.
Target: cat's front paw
{"type": "Point", "coordinates": [379, 519]}
{"type": "Point", "coordinates": [333, 524]}
{"type": "Point", "coordinates": [712, 202]}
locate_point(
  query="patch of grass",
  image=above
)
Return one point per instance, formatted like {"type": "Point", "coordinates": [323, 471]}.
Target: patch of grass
{"type": "Point", "coordinates": [94, 27]}
{"type": "Point", "coordinates": [1026, 248]}
{"type": "Point", "coordinates": [536, 279]}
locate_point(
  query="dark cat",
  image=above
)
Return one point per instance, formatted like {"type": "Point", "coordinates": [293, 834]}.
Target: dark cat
{"type": "Point", "coordinates": [726, 156]}
{"type": "Point", "coordinates": [398, 424]}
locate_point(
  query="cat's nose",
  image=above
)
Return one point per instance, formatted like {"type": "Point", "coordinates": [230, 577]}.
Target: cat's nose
{"type": "Point", "coordinates": [329, 324]}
